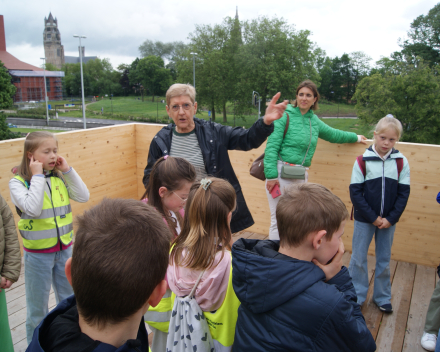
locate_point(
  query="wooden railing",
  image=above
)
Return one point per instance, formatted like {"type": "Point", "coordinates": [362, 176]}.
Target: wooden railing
{"type": "Point", "coordinates": [111, 161]}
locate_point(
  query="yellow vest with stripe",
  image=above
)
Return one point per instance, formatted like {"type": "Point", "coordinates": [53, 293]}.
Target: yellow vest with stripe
{"type": "Point", "coordinates": [54, 224]}
{"type": "Point", "coordinates": [221, 322]}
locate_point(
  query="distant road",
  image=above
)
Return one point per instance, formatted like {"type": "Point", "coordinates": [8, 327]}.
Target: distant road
{"type": "Point", "coordinates": [120, 122]}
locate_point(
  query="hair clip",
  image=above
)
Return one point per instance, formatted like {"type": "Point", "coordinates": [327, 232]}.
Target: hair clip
{"type": "Point", "coordinates": [165, 157]}
{"type": "Point", "coordinates": [389, 115]}
{"type": "Point", "coordinates": [205, 182]}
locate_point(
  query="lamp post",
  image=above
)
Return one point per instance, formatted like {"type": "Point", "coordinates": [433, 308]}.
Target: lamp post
{"type": "Point", "coordinates": [45, 90]}
{"type": "Point", "coordinates": [255, 96]}
{"type": "Point", "coordinates": [194, 69]}
{"type": "Point", "coordinates": [82, 79]}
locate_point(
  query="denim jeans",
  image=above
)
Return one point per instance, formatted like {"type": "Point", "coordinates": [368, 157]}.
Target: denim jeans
{"type": "Point", "coordinates": [284, 182]}
{"type": "Point", "coordinates": [40, 271]}
{"type": "Point", "coordinates": [437, 345]}
{"type": "Point", "coordinates": [362, 236]}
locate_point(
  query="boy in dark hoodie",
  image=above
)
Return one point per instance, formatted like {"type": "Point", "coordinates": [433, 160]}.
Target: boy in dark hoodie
{"type": "Point", "coordinates": [117, 271]}
{"type": "Point", "coordinates": [295, 294]}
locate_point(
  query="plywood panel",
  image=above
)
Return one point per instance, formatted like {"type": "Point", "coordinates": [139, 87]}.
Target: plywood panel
{"type": "Point", "coordinates": [392, 328]}
{"type": "Point", "coordinates": [111, 160]}
{"type": "Point", "coordinates": [424, 284]}
{"type": "Point", "coordinates": [105, 158]}
{"type": "Point", "coordinates": [416, 239]}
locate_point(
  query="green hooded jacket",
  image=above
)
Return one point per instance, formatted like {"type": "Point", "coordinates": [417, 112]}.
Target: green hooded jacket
{"type": "Point", "coordinates": [293, 147]}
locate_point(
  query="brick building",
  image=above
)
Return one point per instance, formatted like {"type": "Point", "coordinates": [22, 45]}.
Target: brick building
{"type": "Point", "coordinates": [29, 79]}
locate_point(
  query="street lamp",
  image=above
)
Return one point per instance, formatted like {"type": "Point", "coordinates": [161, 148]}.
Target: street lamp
{"type": "Point", "coordinates": [194, 69]}
{"type": "Point", "coordinates": [82, 79]}
{"type": "Point", "coordinates": [45, 90]}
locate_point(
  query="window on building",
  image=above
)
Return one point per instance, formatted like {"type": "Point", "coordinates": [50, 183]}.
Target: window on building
{"type": "Point", "coordinates": [48, 84]}
{"type": "Point", "coordinates": [49, 36]}
{"type": "Point", "coordinates": [15, 79]}
{"type": "Point", "coordinates": [58, 52]}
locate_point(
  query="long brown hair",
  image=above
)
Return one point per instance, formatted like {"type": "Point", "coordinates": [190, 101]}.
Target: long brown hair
{"type": "Point", "coordinates": [312, 86]}
{"type": "Point", "coordinates": [206, 227]}
{"type": "Point", "coordinates": [169, 172]}
{"type": "Point", "coordinates": [31, 144]}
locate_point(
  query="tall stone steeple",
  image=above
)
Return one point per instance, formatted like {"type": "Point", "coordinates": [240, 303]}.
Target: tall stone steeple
{"type": "Point", "coordinates": [53, 50]}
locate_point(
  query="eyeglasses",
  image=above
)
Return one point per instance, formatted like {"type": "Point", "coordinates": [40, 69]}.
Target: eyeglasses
{"type": "Point", "coordinates": [183, 200]}
{"type": "Point", "coordinates": [184, 107]}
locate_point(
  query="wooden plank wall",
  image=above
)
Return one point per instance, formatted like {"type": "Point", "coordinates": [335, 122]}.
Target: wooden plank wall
{"type": "Point", "coordinates": [417, 237]}
{"type": "Point", "coordinates": [105, 158]}
{"type": "Point", "coordinates": [111, 161]}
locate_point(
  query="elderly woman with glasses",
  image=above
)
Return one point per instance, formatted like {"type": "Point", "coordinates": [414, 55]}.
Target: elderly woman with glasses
{"type": "Point", "coordinates": [205, 144]}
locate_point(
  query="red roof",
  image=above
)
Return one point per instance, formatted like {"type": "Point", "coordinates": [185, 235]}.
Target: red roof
{"type": "Point", "coordinates": [10, 61]}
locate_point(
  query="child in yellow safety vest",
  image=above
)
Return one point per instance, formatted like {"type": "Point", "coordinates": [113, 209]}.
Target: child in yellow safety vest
{"type": "Point", "coordinates": [41, 190]}
{"type": "Point", "coordinates": [204, 245]}
{"type": "Point", "coordinates": [170, 181]}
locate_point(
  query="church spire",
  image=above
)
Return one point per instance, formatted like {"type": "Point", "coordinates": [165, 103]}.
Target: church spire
{"type": "Point", "coordinates": [236, 13]}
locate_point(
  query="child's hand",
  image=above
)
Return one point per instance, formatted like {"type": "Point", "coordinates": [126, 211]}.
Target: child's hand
{"type": "Point", "coordinates": [5, 283]}
{"type": "Point", "coordinates": [378, 222]}
{"type": "Point", "coordinates": [334, 267]}
{"type": "Point", "coordinates": [385, 224]}
{"type": "Point", "coordinates": [35, 166]}
{"type": "Point", "coordinates": [62, 164]}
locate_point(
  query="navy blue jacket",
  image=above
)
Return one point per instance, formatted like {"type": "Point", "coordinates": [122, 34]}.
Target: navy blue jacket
{"type": "Point", "coordinates": [382, 192]}
{"type": "Point", "coordinates": [60, 332]}
{"type": "Point", "coordinates": [215, 140]}
{"type": "Point", "coordinates": [287, 306]}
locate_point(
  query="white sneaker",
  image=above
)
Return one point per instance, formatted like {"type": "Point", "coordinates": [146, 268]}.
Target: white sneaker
{"type": "Point", "coordinates": [428, 341]}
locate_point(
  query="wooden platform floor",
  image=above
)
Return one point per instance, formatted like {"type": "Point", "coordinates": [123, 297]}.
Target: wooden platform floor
{"type": "Point", "coordinates": [412, 287]}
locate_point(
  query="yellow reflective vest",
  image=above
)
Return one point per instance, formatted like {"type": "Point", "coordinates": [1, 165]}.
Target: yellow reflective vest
{"type": "Point", "coordinates": [54, 223]}
{"type": "Point", "coordinates": [221, 322]}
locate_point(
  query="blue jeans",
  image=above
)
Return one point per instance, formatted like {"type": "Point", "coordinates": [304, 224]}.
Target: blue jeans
{"type": "Point", "coordinates": [437, 345]}
{"type": "Point", "coordinates": [40, 271]}
{"type": "Point", "coordinates": [362, 236]}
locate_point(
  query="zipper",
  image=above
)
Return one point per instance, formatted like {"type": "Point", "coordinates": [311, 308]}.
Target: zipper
{"type": "Point", "coordinates": [383, 188]}
{"type": "Point", "coordinates": [55, 217]}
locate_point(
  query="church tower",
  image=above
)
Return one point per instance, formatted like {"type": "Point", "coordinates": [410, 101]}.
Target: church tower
{"type": "Point", "coordinates": [53, 50]}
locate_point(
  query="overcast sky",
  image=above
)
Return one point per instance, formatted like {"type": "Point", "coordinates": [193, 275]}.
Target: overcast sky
{"type": "Point", "coordinates": [115, 30]}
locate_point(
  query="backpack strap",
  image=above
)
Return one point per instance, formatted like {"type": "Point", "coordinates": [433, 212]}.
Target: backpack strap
{"type": "Point", "coordinates": [399, 163]}
{"type": "Point", "coordinates": [191, 295]}
{"type": "Point", "coordinates": [361, 163]}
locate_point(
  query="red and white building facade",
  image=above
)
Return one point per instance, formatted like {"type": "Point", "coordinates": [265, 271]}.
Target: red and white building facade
{"type": "Point", "coordinates": [29, 79]}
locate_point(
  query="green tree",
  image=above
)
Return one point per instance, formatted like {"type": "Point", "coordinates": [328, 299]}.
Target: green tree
{"type": "Point", "coordinates": [413, 97]}
{"type": "Point", "coordinates": [153, 75]}
{"type": "Point", "coordinates": [423, 40]}
{"type": "Point", "coordinates": [5, 132]}
{"type": "Point", "coordinates": [50, 67]}
{"type": "Point", "coordinates": [99, 78]}
{"type": "Point", "coordinates": [215, 64]}
{"type": "Point", "coordinates": [274, 57]}
{"type": "Point", "coordinates": [7, 89]}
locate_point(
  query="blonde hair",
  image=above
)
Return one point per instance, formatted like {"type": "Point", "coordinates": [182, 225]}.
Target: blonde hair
{"type": "Point", "coordinates": [206, 227]}
{"type": "Point", "coordinates": [178, 89]}
{"type": "Point", "coordinates": [31, 144]}
{"type": "Point", "coordinates": [387, 122]}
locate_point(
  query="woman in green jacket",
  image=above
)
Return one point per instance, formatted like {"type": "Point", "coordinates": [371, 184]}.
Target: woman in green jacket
{"type": "Point", "coordinates": [299, 144]}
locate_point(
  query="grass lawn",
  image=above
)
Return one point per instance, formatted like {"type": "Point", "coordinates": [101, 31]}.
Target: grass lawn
{"type": "Point", "coordinates": [333, 109]}
{"type": "Point", "coordinates": [351, 125]}
{"type": "Point", "coordinates": [27, 130]}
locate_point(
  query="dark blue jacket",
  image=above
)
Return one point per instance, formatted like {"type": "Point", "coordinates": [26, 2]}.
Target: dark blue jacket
{"type": "Point", "coordinates": [287, 306]}
{"type": "Point", "coordinates": [60, 332]}
{"type": "Point", "coordinates": [382, 192]}
{"type": "Point", "coordinates": [215, 140]}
